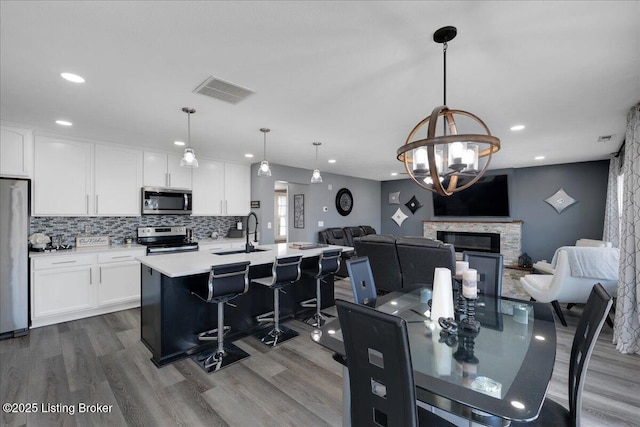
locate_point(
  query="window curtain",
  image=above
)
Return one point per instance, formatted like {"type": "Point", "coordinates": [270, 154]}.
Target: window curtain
{"type": "Point", "coordinates": [611, 213]}
{"type": "Point", "coordinates": [626, 332]}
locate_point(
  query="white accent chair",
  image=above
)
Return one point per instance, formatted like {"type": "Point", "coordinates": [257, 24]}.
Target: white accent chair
{"type": "Point", "coordinates": [561, 286]}
{"type": "Point", "coordinates": [545, 267]}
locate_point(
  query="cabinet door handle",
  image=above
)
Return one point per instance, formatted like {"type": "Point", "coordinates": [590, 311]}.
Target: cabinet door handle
{"type": "Point", "coordinates": [99, 274]}
{"type": "Point", "coordinates": [226, 209]}
{"type": "Point", "coordinates": [96, 203]}
{"type": "Point", "coordinates": [64, 262]}
{"type": "Point", "coordinates": [86, 204]}
{"type": "Point", "coordinates": [220, 206]}
{"type": "Point", "coordinates": [91, 276]}
{"type": "Point", "coordinates": [169, 179]}
{"type": "Point", "coordinates": [121, 256]}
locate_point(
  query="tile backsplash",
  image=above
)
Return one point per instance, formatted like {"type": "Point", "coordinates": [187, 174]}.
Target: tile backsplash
{"type": "Point", "coordinates": [120, 227]}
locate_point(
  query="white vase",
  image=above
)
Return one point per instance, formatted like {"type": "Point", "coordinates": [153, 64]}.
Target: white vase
{"type": "Point", "coordinates": [442, 300]}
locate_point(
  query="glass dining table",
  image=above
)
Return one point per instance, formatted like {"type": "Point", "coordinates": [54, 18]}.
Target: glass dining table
{"type": "Point", "coordinates": [496, 375]}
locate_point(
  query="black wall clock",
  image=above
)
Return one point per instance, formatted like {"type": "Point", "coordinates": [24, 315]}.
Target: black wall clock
{"type": "Point", "coordinates": [344, 201]}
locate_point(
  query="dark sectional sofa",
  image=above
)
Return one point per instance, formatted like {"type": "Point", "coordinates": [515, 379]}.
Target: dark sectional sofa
{"type": "Point", "coordinates": [344, 237]}
{"type": "Point", "coordinates": [397, 262]}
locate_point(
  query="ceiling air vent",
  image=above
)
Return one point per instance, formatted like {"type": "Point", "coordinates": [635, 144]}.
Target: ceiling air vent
{"type": "Point", "coordinates": [224, 91]}
{"type": "Point", "coordinates": [605, 138]}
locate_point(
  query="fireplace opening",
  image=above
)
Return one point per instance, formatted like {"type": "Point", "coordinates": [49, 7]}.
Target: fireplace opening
{"type": "Point", "coordinates": [468, 241]}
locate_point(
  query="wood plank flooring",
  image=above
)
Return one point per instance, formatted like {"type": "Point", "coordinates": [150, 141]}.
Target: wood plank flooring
{"type": "Point", "coordinates": [100, 360]}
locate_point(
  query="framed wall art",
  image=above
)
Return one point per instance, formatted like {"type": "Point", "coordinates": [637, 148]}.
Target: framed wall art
{"type": "Point", "coordinates": [298, 211]}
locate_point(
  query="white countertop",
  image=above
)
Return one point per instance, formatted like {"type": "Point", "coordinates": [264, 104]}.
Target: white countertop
{"type": "Point", "coordinates": [189, 263]}
{"type": "Point", "coordinates": [209, 241]}
{"type": "Point", "coordinates": [95, 249]}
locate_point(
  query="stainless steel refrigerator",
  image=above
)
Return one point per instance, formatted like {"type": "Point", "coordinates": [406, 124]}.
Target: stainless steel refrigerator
{"type": "Point", "coordinates": [14, 257]}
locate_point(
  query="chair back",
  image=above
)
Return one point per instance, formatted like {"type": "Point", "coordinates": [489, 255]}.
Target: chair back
{"type": "Point", "coordinates": [351, 233]}
{"type": "Point", "coordinates": [490, 267]}
{"type": "Point", "coordinates": [367, 229]}
{"type": "Point", "coordinates": [335, 236]}
{"type": "Point", "coordinates": [419, 257]}
{"type": "Point", "coordinates": [225, 282]}
{"type": "Point", "coordinates": [382, 254]}
{"type": "Point", "coordinates": [286, 269]}
{"type": "Point", "coordinates": [589, 326]}
{"type": "Point", "coordinates": [362, 283]}
{"type": "Point", "coordinates": [328, 262]}
{"type": "Point", "coordinates": [380, 370]}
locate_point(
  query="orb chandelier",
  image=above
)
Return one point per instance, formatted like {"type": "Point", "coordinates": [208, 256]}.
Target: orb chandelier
{"type": "Point", "coordinates": [437, 162]}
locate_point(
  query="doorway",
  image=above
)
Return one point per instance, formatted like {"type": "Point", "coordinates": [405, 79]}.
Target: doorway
{"type": "Point", "coordinates": [281, 212]}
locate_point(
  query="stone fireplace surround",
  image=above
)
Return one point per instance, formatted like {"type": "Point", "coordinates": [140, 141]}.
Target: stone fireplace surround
{"type": "Point", "coordinates": [510, 234]}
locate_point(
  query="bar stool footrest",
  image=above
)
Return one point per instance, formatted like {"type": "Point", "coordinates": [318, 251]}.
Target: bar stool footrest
{"type": "Point", "coordinates": [212, 334]}
{"type": "Point", "coordinates": [211, 361]}
{"type": "Point", "coordinates": [271, 337]}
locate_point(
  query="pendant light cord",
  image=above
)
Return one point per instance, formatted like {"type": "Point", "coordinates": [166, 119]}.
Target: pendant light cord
{"type": "Point", "coordinates": [444, 54]}
{"type": "Point", "coordinates": [264, 152]}
{"type": "Point", "coordinates": [189, 129]}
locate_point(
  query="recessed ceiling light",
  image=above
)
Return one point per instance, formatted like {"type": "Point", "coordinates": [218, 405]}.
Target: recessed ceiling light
{"type": "Point", "coordinates": [248, 155]}
{"type": "Point", "coordinates": [180, 143]}
{"type": "Point", "coordinates": [517, 127]}
{"type": "Point", "coordinates": [72, 77]}
{"type": "Point", "coordinates": [538, 158]}
{"type": "Point", "coordinates": [63, 123]}
{"type": "Point", "coordinates": [394, 173]}
{"type": "Point", "coordinates": [331, 160]}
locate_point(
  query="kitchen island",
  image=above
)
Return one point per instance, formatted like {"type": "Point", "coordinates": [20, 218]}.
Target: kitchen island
{"type": "Point", "coordinates": [171, 317]}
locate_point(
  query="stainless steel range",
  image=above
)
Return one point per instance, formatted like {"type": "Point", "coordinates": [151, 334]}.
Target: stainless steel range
{"type": "Point", "coordinates": [163, 240]}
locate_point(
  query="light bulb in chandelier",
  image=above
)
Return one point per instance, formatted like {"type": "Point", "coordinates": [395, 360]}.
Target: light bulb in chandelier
{"type": "Point", "coordinates": [264, 169]}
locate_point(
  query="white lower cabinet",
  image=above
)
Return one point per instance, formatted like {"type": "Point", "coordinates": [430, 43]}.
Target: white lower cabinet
{"type": "Point", "coordinates": [118, 278]}
{"type": "Point", "coordinates": [73, 286]}
{"type": "Point", "coordinates": [62, 290]}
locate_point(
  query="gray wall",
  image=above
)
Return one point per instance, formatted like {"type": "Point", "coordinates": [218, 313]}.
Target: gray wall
{"type": "Point", "coordinates": [544, 230]}
{"type": "Point", "coordinates": [366, 201]}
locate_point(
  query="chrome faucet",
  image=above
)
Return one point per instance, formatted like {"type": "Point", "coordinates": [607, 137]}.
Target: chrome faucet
{"type": "Point", "coordinates": [248, 247]}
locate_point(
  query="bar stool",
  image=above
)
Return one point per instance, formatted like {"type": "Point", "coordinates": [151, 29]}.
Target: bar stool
{"type": "Point", "coordinates": [225, 283]}
{"type": "Point", "coordinates": [328, 264]}
{"type": "Point", "coordinates": [285, 271]}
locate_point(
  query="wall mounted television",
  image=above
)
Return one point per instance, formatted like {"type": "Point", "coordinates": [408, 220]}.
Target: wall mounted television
{"type": "Point", "coordinates": [487, 197]}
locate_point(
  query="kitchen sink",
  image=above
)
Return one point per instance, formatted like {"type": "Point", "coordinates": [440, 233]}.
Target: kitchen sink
{"type": "Point", "coordinates": [238, 251]}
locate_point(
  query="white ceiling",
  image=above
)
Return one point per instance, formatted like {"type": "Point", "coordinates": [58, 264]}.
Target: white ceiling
{"type": "Point", "coordinates": [356, 76]}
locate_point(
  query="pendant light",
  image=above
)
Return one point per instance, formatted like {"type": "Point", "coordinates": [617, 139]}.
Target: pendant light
{"type": "Point", "coordinates": [316, 178]}
{"type": "Point", "coordinates": [436, 162]}
{"type": "Point", "coordinates": [264, 169]}
{"type": "Point", "coordinates": [189, 157]}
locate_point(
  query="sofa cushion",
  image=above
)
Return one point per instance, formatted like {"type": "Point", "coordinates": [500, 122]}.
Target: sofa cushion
{"type": "Point", "coordinates": [367, 229]}
{"type": "Point", "coordinates": [351, 233]}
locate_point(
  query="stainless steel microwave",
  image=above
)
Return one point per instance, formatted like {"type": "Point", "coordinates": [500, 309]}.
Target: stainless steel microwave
{"type": "Point", "coordinates": [166, 201]}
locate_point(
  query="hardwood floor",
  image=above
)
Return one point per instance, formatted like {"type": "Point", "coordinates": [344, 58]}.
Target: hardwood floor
{"type": "Point", "coordinates": [100, 360]}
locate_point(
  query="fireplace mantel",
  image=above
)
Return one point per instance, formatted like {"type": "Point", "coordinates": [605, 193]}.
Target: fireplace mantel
{"type": "Point", "coordinates": [510, 234]}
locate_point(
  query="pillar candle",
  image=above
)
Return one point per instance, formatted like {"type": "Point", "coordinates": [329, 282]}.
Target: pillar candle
{"type": "Point", "coordinates": [470, 283]}
{"type": "Point", "coordinates": [460, 267]}
{"type": "Point", "coordinates": [442, 299]}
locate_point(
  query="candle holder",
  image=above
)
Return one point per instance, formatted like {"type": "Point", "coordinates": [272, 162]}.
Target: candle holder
{"type": "Point", "coordinates": [461, 303]}
{"type": "Point", "coordinates": [469, 324]}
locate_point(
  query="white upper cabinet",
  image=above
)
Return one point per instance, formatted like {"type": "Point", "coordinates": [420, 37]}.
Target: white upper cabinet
{"type": "Point", "coordinates": [208, 188]}
{"type": "Point", "coordinates": [164, 170]}
{"type": "Point", "coordinates": [16, 152]}
{"type": "Point", "coordinates": [62, 177]}
{"type": "Point", "coordinates": [74, 178]}
{"type": "Point", "coordinates": [118, 180]}
{"type": "Point", "coordinates": [237, 189]}
{"type": "Point", "coordinates": [221, 188]}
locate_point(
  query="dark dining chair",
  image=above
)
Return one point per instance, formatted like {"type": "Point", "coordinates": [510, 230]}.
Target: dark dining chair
{"type": "Point", "coordinates": [490, 267]}
{"type": "Point", "coordinates": [589, 326]}
{"type": "Point", "coordinates": [362, 283]}
{"type": "Point", "coordinates": [381, 379]}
